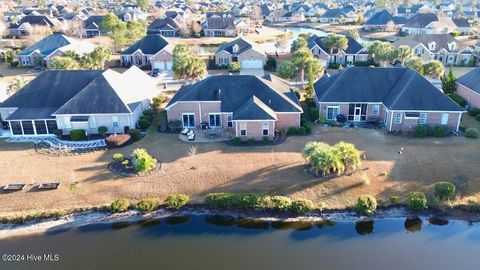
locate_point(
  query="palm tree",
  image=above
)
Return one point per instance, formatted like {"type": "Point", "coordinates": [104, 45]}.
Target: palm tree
{"type": "Point", "coordinates": [17, 84]}
{"type": "Point", "coordinates": [404, 53]}
{"type": "Point", "coordinates": [335, 42]}
{"type": "Point", "coordinates": [348, 154]}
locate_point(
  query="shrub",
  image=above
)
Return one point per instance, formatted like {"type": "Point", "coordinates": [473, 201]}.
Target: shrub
{"type": "Point", "coordinates": [458, 99]}
{"type": "Point", "coordinates": [177, 201]}
{"type": "Point", "coordinates": [136, 134]}
{"type": "Point", "coordinates": [120, 205]}
{"type": "Point", "coordinates": [117, 140]}
{"type": "Point", "coordinates": [255, 200]}
{"type": "Point", "coordinates": [417, 201]}
{"type": "Point", "coordinates": [223, 199]}
{"type": "Point", "coordinates": [474, 112]}
{"type": "Point", "coordinates": [444, 190]}
{"type": "Point", "coordinates": [118, 157]}
{"type": "Point", "coordinates": [271, 63]}
{"type": "Point", "coordinates": [237, 141]}
{"type": "Point", "coordinates": [251, 141]}
{"type": "Point", "coordinates": [234, 67]}
{"type": "Point", "coordinates": [265, 139]}
{"type": "Point", "coordinates": [301, 131]}
{"type": "Point", "coordinates": [157, 102]}
{"type": "Point", "coordinates": [302, 206]}
{"type": "Point", "coordinates": [142, 161]}
{"type": "Point", "coordinates": [102, 130]}
{"type": "Point", "coordinates": [148, 205]}
{"type": "Point", "coordinates": [477, 117]}
{"type": "Point", "coordinates": [292, 130]}
{"type": "Point", "coordinates": [150, 113]}
{"type": "Point", "coordinates": [421, 131]}
{"type": "Point", "coordinates": [439, 131]}
{"type": "Point", "coordinates": [394, 200]}
{"type": "Point", "coordinates": [307, 127]}
{"type": "Point", "coordinates": [78, 134]}
{"type": "Point", "coordinates": [366, 205]}
{"type": "Point", "coordinates": [143, 123]}
{"type": "Point", "coordinates": [58, 132]}
{"type": "Point", "coordinates": [281, 203]}
{"type": "Point", "coordinates": [321, 119]}
{"type": "Point", "coordinates": [313, 112]}
{"type": "Point", "coordinates": [341, 118]}
{"type": "Point", "coordinates": [471, 133]}
{"type": "Point", "coordinates": [175, 125]}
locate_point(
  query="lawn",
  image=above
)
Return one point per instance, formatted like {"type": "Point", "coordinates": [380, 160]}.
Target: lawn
{"type": "Point", "coordinates": [273, 170]}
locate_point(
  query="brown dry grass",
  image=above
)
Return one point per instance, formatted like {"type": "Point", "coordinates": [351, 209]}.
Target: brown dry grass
{"type": "Point", "coordinates": [272, 170]}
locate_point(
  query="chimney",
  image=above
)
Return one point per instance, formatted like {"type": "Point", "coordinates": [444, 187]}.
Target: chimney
{"type": "Point", "coordinates": [219, 93]}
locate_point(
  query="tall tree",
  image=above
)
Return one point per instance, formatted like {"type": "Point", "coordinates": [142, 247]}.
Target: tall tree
{"type": "Point", "coordinates": [17, 84]}
{"type": "Point", "coordinates": [63, 63]}
{"type": "Point", "coordinates": [96, 59]}
{"type": "Point", "coordinates": [287, 70]}
{"type": "Point", "coordinates": [185, 65]}
{"type": "Point", "coordinates": [335, 42]}
{"type": "Point", "coordinates": [115, 28]}
{"type": "Point", "coordinates": [353, 33]}
{"type": "Point", "coordinates": [135, 31]}
{"type": "Point", "coordinates": [143, 4]}
{"type": "Point", "coordinates": [300, 42]}
{"type": "Point", "coordinates": [449, 82]}
{"type": "Point", "coordinates": [434, 69]}
{"type": "Point", "coordinates": [403, 53]}
{"type": "Point", "coordinates": [301, 58]}
{"type": "Point", "coordinates": [314, 68]}
{"type": "Point", "coordinates": [382, 51]}
{"type": "Point", "coordinates": [416, 63]}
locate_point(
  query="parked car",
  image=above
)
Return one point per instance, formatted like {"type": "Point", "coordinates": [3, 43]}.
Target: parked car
{"type": "Point", "coordinates": [154, 72]}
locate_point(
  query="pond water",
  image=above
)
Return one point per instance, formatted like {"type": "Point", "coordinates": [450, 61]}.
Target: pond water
{"type": "Point", "coordinates": [223, 242]}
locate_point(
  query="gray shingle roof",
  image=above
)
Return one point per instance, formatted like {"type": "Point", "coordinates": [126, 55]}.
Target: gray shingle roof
{"type": "Point", "coordinates": [243, 46]}
{"type": "Point", "coordinates": [398, 89]}
{"type": "Point", "coordinates": [48, 44]}
{"type": "Point", "coordinates": [235, 91]}
{"type": "Point", "coordinates": [163, 24]}
{"type": "Point", "coordinates": [421, 20]}
{"type": "Point", "coordinates": [219, 20]}
{"type": "Point", "coordinates": [150, 44]}
{"type": "Point", "coordinates": [254, 109]}
{"type": "Point", "coordinates": [441, 40]}
{"type": "Point", "coordinates": [471, 80]}
{"type": "Point", "coordinates": [353, 45]}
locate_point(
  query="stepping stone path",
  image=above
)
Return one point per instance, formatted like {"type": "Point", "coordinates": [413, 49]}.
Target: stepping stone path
{"type": "Point", "coordinates": [61, 144]}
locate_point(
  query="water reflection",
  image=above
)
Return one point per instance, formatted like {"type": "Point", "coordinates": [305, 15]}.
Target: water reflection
{"type": "Point", "coordinates": [437, 221]}
{"type": "Point", "coordinates": [413, 224]}
{"type": "Point", "coordinates": [218, 220]}
{"type": "Point", "coordinates": [252, 223]}
{"type": "Point", "coordinates": [364, 227]}
{"type": "Point", "coordinates": [149, 222]}
{"type": "Point", "coordinates": [176, 220]}
{"type": "Point", "coordinates": [325, 223]}
{"type": "Point", "coordinates": [292, 225]}
{"type": "Point", "coordinates": [121, 225]}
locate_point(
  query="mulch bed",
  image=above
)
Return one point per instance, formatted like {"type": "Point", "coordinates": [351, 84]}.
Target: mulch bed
{"type": "Point", "coordinates": [44, 148]}
{"type": "Point", "coordinates": [278, 140]}
{"type": "Point", "coordinates": [117, 167]}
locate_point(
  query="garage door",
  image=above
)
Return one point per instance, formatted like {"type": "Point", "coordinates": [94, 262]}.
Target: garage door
{"type": "Point", "coordinates": [163, 65]}
{"type": "Point", "coordinates": [251, 64]}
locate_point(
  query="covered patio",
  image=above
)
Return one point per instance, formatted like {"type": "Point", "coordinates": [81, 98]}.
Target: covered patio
{"type": "Point", "coordinates": [209, 135]}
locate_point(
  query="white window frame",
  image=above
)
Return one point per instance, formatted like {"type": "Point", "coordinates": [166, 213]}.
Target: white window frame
{"type": "Point", "coordinates": [265, 126]}
{"type": "Point", "coordinates": [115, 123]}
{"type": "Point", "coordinates": [219, 119]}
{"type": "Point", "coordinates": [229, 121]}
{"type": "Point", "coordinates": [376, 109]}
{"type": "Point", "coordinates": [335, 114]}
{"type": "Point", "coordinates": [422, 120]}
{"type": "Point", "coordinates": [223, 61]}
{"type": "Point", "coordinates": [444, 118]}
{"type": "Point", "coordinates": [397, 118]}
{"type": "Point", "coordinates": [194, 120]}
{"type": "Point", "coordinates": [243, 126]}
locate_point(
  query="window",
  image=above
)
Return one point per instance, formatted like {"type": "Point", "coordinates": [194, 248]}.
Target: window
{"type": "Point", "coordinates": [412, 115]}
{"type": "Point", "coordinates": [376, 109]}
{"type": "Point", "coordinates": [188, 120]}
{"type": "Point", "coordinates": [115, 121]}
{"type": "Point", "coordinates": [235, 48]}
{"type": "Point", "coordinates": [40, 127]}
{"type": "Point", "coordinates": [51, 126]}
{"type": "Point", "coordinates": [28, 128]}
{"type": "Point", "coordinates": [16, 128]}
{"type": "Point", "coordinates": [223, 61]}
{"type": "Point", "coordinates": [444, 119]}
{"type": "Point", "coordinates": [398, 118]}
{"type": "Point", "coordinates": [229, 121]}
{"type": "Point", "coordinates": [265, 128]}
{"type": "Point", "coordinates": [243, 129]}
{"type": "Point", "coordinates": [423, 119]}
{"type": "Point", "coordinates": [214, 120]}
{"type": "Point", "coordinates": [332, 112]}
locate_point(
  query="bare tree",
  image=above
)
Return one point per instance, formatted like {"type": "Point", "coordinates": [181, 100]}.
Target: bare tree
{"type": "Point", "coordinates": [75, 28]}
{"type": "Point", "coordinates": [37, 33]}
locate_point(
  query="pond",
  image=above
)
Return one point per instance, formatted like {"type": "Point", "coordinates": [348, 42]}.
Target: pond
{"type": "Point", "coordinates": [224, 242]}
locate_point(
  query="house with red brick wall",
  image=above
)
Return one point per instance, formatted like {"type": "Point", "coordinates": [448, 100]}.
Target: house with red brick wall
{"type": "Point", "coordinates": [241, 50]}
{"type": "Point", "coordinates": [399, 98]}
{"type": "Point", "coordinates": [153, 50]}
{"type": "Point", "coordinates": [468, 87]}
{"type": "Point", "coordinates": [355, 52]}
{"type": "Point", "coordinates": [247, 106]}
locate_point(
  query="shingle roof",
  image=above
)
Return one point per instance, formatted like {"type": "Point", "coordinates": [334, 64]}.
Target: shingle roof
{"type": "Point", "coordinates": [471, 80]}
{"type": "Point", "coordinates": [93, 22]}
{"type": "Point", "coordinates": [353, 45]}
{"type": "Point", "coordinates": [57, 41]}
{"type": "Point", "coordinates": [441, 40]}
{"type": "Point", "coordinates": [254, 109]}
{"type": "Point", "coordinates": [150, 44]}
{"type": "Point", "coordinates": [461, 22]}
{"type": "Point", "coordinates": [220, 20]}
{"type": "Point", "coordinates": [334, 13]}
{"type": "Point", "coordinates": [398, 89]}
{"type": "Point", "coordinates": [243, 46]}
{"type": "Point", "coordinates": [164, 24]}
{"type": "Point", "coordinates": [383, 17]}
{"type": "Point", "coordinates": [421, 20]}
{"type": "Point", "coordinates": [234, 91]}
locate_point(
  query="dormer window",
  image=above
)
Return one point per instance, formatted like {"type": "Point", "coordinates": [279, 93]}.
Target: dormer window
{"type": "Point", "coordinates": [432, 45]}
{"type": "Point", "coordinates": [451, 46]}
{"type": "Point", "coordinates": [235, 48]}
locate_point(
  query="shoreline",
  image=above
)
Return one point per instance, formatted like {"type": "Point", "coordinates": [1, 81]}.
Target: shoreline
{"type": "Point", "coordinates": [95, 216]}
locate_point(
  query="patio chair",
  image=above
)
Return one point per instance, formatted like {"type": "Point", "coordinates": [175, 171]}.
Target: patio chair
{"type": "Point", "coordinates": [185, 131]}
{"type": "Point", "coordinates": [191, 136]}
{"type": "Point", "coordinates": [14, 187]}
{"type": "Point", "coordinates": [48, 186]}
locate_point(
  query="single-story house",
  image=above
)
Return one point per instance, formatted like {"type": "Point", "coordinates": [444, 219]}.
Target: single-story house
{"type": "Point", "coordinates": [429, 23]}
{"type": "Point", "coordinates": [384, 21]}
{"type": "Point", "coordinates": [219, 24]}
{"type": "Point", "coordinates": [153, 49]}
{"type": "Point", "coordinates": [247, 53]}
{"type": "Point", "coordinates": [25, 26]}
{"type": "Point", "coordinates": [53, 45]}
{"type": "Point", "coordinates": [166, 27]}
{"type": "Point", "coordinates": [390, 96]}
{"type": "Point", "coordinates": [247, 106]}
{"type": "Point", "coordinates": [442, 47]}
{"type": "Point", "coordinates": [468, 87]}
{"type": "Point", "coordinates": [91, 26]}
{"type": "Point", "coordinates": [79, 99]}
{"type": "Point", "coordinates": [355, 52]}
